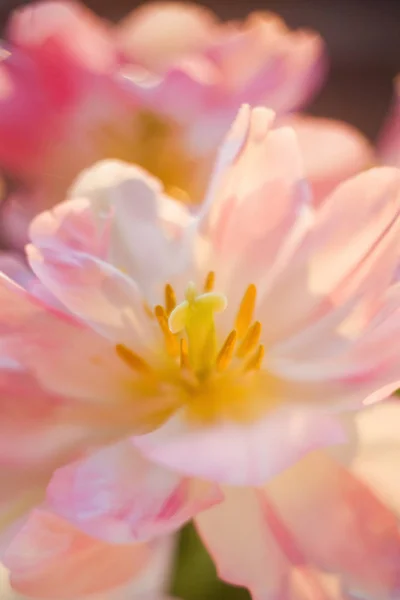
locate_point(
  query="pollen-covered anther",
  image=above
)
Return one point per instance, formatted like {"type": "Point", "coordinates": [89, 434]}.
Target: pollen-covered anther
{"type": "Point", "coordinates": [255, 362]}
{"type": "Point", "coordinates": [170, 299]}
{"type": "Point", "coordinates": [250, 340]}
{"type": "Point", "coordinates": [245, 313]}
{"type": "Point", "coordinates": [209, 282]}
{"type": "Point", "coordinates": [171, 341]}
{"type": "Point", "coordinates": [133, 360]}
{"type": "Point", "coordinates": [184, 355]}
{"type": "Point", "coordinates": [225, 355]}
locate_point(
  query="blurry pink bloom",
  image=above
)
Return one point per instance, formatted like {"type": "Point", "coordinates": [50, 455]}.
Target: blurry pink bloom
{"type": "Point", "coordinates": [258, 61]}
{"type": "Point", "coordinates": [160, 89]}
{"type": "Point", "coordinates": [389, 144]}
{"type": "Point", "coordinates": [211, 357]}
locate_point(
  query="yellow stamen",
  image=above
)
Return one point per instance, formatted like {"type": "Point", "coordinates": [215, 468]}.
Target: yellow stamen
{"type": "Point", "coordinates": [184, 355]}
{"type": "Point", "coordinates": [133, 360]}
{"type": "Point", "coordinates": [255, 361]}
{"type": "Point", "coordinates": [226, 353]}
{"type": "Point", "coordinates": [250, 340]}
{"type": "Point", "coordinates": [170, 299]}
{"type": "Point", "coordinates": [170, 340]}
{"type": "Point", "coordinates": [209, 282]}
{"type": "Point", "coordinates": [195, 315]}
{"type": "Point", "coordinates": [244, 316]}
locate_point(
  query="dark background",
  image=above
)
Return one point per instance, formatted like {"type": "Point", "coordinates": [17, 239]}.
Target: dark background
{"type": "Point", "coordinates": [362, 36]}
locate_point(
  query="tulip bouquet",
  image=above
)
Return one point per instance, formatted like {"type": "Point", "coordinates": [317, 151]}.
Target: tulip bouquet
{"type": "Point", "coordinates": [199, 313]}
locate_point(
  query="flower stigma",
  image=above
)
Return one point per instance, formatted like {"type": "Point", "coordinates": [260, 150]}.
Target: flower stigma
{"type": "Point", "coordinates": [210, 377]}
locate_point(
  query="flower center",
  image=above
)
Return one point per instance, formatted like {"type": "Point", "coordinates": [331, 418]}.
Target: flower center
{"type": "Point", "coordinates": [157, 145]}
{"type": "Point", "coordinates": [212, 379]}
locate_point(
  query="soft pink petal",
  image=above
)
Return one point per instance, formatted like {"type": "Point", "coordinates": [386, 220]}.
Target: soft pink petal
{"type": "Point", "coordinates": [94, 291]}
{"type": "Point", "coordinates": [59, 25]}
{"type": "Point", "coordinates": [238, 534]}
{"type": "Point", "coordinates": [336, 523]}
{"type": "Point", "coordinates": [255, 203]}
{"type": "Point", "coordinates": [147, 238]}
{"type": "Point", "coordinates": [120, 497]}
{"type": "Point", "coordinates": [334, 250]}
{"type": "Point", "coordinates": [264, 62]}
{"type": "Point", "coordinates": [378, 450]}
{"type": "Point", "coordinates": [241, 545]}
{"type": "Point", "coordinates": [241, 454]}
{"type": "Point", "coordinates": [157, 34]}
{"type": "Point", "coordinates": [332, 151]}
{"type": "Point", "coordinates": [389, 142]}
{"type": "Point", "coordinates": [76, 225]}
{"type": "Point", "coordinates": [312, 518]}
{"type": "Point", "coordinates": [15, 268]}
{"type": "Point", "coordinates": [51, 559]}
{"type": "Point", "coordinates": [64, 355]}
{"type": "Point", "coordinates": [58, 99]}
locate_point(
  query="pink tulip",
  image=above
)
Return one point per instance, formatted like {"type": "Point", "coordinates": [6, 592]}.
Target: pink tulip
{"type": "Point", "coordinates": [160, 89]}
{"type": "Point", "coordinates": [389, 143]}
{"type": "Point", "coordinates": [215, 366]}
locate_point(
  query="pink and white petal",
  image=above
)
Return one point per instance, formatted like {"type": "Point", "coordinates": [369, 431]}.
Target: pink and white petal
{"type": "Point", "coordinates": [64, 356]}
{"type": "Point", "coordinates": [377, 450]}
{"type": "Point", "coordinates": [77, 224]}
{"type": "Point", "coordinates": [336, 247]}
{"type": "Point", "coordinates": [342, 347]}
{"type": "Point", "coordinates": [274, 66]}
{"type": "Point", "coordinates": [337, 524]}
{"type": "Point", "coordinates": [332, 152]}
{"type": "Point", "coordinates": [146, 238]}
{"type": "Point", "coordinates": [15, 268]}
{"type": "Point", "coordinates": [241, 534]}
{"type": "Point", "coordinates": [119, 496]}
{"type": "Point", "coordinates": [69, 30]}
{"type": "Point", "coordinates": [258, 200]}
{"type": "Point", "coordinates": [94, 291]}
{"type": "Point", "coordinates": [241, 454]}
{"type": "Point", "coordinates": [49, 558]}
{"type": "Point", "coordinates": [389, 142]}
{"type": "Point", "coordinates": [238, 539]}
{"type": "Point", "coordinates": [157, 35]}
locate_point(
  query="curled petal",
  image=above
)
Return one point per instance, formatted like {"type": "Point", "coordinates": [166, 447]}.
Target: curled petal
{"type": "Point", "coordinates": [120, 497]}
{"type": "Point", "coordinates": [51, 559]}
{"type": "Point", "coordinates": [147, 235]}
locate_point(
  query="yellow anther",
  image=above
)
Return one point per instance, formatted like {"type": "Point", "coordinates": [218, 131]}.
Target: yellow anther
{"type": "Point", "coordinates": [250, 340]}
{"type": "Point", "coordinates": [209, 282]}
{"type": "Point", "coordinates": [244, 315]}
{"type": "Point", "coordinates": [226, 353]}
{"type": "Point", "coordinates": [255, 361]}
{"type": "Point", "coordinates": [170, 299]}
{"type": "Point", "coordinates": [133, 360]}
{"type": "Point", "coordinates": [184, 355]}
{"type": "Point", "coordinates": [170, 340]}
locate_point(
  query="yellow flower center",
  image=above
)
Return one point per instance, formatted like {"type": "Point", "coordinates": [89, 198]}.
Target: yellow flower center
{"type": "Point", "coordinates": [157, 145]}
{"type": "Point", "coordinates": [210, 378]}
